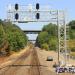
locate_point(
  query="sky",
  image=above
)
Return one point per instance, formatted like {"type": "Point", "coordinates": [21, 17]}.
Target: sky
{"type": "Point", "coordinates": [68, 5]}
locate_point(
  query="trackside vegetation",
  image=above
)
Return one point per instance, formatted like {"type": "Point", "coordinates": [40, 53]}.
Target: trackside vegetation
{"type": "Point", "coordinates": [47, 39]}
{"type": "Point", "coordinates": [12, 37]}
{"type": "Point", "coordinates": [72, 36]}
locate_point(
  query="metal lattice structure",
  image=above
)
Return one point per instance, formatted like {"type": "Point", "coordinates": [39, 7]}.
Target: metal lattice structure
{"type": "Point", "coordinates": [27, 14]}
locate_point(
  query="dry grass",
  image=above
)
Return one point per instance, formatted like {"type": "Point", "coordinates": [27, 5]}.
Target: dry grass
{"type": "Point", "coordinates": [9, 60]}
{"type": "Point", "coordinates": [3, 59]}
{"type": "Point", "coordinates": [72, 53]}
{"type": "Point", "coordinates": [17, 54]}
{"type": "Point", "coordinates": [71, 43]}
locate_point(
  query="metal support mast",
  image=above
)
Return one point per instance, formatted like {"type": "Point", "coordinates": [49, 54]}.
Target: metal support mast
{"type": "Point", "coordinates": [62, 35]}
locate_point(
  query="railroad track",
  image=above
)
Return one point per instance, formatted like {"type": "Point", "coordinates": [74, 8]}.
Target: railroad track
{"type": "Point", "coordinates": [35, 68]}
{"type": "Point", "coordinates": [12, 68]}
{"type": "Point", "coordinates": [27, 64]}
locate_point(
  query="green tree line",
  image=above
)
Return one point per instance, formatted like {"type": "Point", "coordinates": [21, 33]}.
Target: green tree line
{"type": "Point", "coordinates": [13, 35]}
{"type": "Point", "coordinates": [48, 38]}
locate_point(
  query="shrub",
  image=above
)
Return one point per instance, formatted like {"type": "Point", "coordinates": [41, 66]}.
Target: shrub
{"type": "Point", "coordinates": [45, 46]}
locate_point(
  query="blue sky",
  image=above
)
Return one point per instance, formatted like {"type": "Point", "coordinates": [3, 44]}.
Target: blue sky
{"type": "Point", "coordinates": [68, 5]}
{"type": "Point", "coordinates": [58, 4]}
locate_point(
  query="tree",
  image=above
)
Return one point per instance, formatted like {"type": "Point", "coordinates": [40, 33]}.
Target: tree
{"type": "Point", "coordinates": [15, 37]}
{"type": "Point", "coordinates": [72, 29]}
{"type": "Point", "coordinates": [48, 37]}
{"type": "Point", "coordinates": [42, 38]}
{"type": "Point", "coordinates": [51, 29]}
{"type": "Point", "coordinates": [72, 24]}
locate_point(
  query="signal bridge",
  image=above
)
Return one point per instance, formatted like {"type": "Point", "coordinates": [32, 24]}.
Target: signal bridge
{"type": "Point", "coordinates": [24, 14]}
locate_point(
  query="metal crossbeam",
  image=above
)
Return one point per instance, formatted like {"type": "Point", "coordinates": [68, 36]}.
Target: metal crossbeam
{"type": "Point", "coordinates": [46, 15]}
{"type": "Point", "coordinates": [32, 31]}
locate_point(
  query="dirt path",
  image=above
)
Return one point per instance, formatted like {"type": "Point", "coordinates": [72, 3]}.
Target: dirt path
{"type": "Point", "coordinates": [35, 64]}
{"type": "Point", "coordinates": [30, 62]}
{"type": "Point", "coordinates": [13, 68]}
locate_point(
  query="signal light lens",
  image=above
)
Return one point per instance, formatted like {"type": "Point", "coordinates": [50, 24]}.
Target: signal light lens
{"type": "Point", "coordinates": [37, 6]}
{"type": "Point", "coordinates": [16, 16]}
{"type": "Point", "coordinates": [16, 6]}
{"type": "Point", "coordinates": [37, 15]}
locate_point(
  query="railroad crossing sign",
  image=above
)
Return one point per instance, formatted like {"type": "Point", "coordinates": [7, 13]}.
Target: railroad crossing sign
{"type": "Point", "coordinates": [24, 14]}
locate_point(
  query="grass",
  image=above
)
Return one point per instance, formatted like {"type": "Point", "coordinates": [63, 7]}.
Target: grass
{"type": "Point", "coordinates": [72, 53]}
{"type": "Point", "coordinates": [71, 43]}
